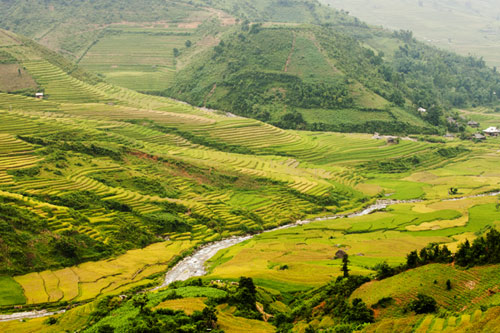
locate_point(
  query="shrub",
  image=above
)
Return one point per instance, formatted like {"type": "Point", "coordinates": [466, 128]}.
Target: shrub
{"type": "Point", "coordinates": [423, 304]}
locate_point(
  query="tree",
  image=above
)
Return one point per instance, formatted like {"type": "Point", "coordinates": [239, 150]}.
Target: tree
{"type": "Point", "coordinates": [345, 263]}
{"type": "Point", "coordinates": [105, 329]}
{"type": "Point", "coordinates": [463, 255]}
{"type": "Point", "coordinates": [412, 259]}
{"type": "Point", "coordinates": [188, 43]}
{"type": "Point", "coordinates": [360, 313]}
{"type": "Point", "coordinates": [176, 52]}
{"type": "Point", "coordinates": [384, 271]}
{"type": "Point", "coordinates": [423, 304]}
{"type": "Point", "coordinates": [209, 315]}
{"type": "Point", "coordinates": [245, 296]}
{"type": "Point", "coordinates": [140, 301]}
{"type": "Point", "coordinates": [448, 284]}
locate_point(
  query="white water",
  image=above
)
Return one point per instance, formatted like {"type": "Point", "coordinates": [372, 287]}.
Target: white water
{"type": "Point", "coordinates": [194, 265]}
{"type": "Point", "coordinates": [28, 315]}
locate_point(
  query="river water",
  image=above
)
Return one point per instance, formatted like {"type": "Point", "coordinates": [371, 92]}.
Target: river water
{"type": "Point", "coordinates": [194, 265]}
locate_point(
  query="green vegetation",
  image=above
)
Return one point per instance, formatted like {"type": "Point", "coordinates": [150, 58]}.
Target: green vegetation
{"type": "Point", "coordinates": [484, 250]}
{"type": "Point", "coordinates": [423, 304]}
{"type": "Point", "coordinates": [102, 189]}
{"type": "Point", "coordinates": [300, 65]}
{"type": "Point", "coordinates": [10, 292]}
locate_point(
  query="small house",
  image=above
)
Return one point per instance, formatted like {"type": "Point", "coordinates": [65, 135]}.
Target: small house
{"type": "Point", "coordinates": [473, 124]}
{"type": "Point", "coordinates": [39, 95]}
{"type": "Point", "coordinates": [376, 136]}
{"type": "Point", "coordinates": [449, 135]}
{"type": "Point", "coordinates": [479, 136]}
{"type": "Point", "coordinates": [392, 140]}
{"type": "Point", "coordinates": [422, 110]}
{"type": "Point", "coordinates": [451, 120]}
{"type": "Point", "coordinates": [340, 254]}
{"type": "Point", "coordinates": [492, 131]}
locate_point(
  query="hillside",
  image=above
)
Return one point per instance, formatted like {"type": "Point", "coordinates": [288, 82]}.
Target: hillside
{"type": "Point", "coordinates": [327, 71]}
{"type": "Point", "coordinates": [322, 79]}
{"type": "Point", "coordinates": [91, 156]}
{"type": "Point", "coordinates": [465, 27]}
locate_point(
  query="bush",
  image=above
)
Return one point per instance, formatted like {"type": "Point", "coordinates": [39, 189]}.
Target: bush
{"type": "Point", "coordinates": [383, 303]}
{"type": "Point", "coordinates": [423, 304]}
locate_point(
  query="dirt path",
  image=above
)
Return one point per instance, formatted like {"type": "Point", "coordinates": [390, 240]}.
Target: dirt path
{"type": "Point", "coordinates": [289, 59]}
{"type": "Point", "coordinates": [265, 316]}
{"type": "Point", "coordinates": [209, 95]}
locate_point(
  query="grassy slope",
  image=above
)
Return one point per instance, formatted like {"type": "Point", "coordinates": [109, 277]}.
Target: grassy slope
{"type": "Point", "coordinates": [11, 292]}
{"type": "Point", "coordinates": [469, 287]}
{"type": "Point", "coordinates": [472, 289]}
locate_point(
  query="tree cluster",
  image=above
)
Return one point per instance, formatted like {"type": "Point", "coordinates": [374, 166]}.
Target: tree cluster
{"type": "Point", "coordinates": [484, 250]}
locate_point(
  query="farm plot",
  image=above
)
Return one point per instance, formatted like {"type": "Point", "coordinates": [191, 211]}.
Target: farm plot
{"type": "Point", "coordinates": [89, 280]}
{"type": "Point", "coordinates": [10, 292]}
{"type": "Point", "coordinates": [295, 255]}
{"type": "Point", "coordinates": [470, 288]}
{"type": "Point", "coordinates": [139, 59]}
{"type": "Point", "coordinates": [60, 86]}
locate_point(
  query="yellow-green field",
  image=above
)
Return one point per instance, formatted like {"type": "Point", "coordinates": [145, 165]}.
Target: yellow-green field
{"type": "Point", "coordinates": [308, 251]}
{"type": "Point", "coordinates": [92, 279]}
{"type": "Point", "coordinates": [226, 320]}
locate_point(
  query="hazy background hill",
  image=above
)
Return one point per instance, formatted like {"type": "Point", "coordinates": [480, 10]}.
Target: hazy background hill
{"type": "Point", "coordinates": [466, 27]}
{"type": "Point", "coordinates": [295, 64]}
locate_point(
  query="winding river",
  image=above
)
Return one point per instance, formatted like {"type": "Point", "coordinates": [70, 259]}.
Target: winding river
{"type": "Point", "coordinates": [194, 265]}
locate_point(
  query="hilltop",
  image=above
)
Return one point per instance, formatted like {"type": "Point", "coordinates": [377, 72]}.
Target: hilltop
{"type": "Point", "coordinates": [294, 64]}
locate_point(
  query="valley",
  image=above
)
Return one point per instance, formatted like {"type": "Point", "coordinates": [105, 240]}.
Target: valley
{"type": "Point", "coordinates": [262, 166]}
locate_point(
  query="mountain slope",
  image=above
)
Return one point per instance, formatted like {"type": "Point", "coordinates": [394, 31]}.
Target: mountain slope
{"type": "Point", "coordinates": [328, 71]}
{"type": "Point", "coordinates": [324, 78]}
{"type": "Point", "coordinates": [98, 170]}
{"type": "Point", "coordinates": [463, 27]}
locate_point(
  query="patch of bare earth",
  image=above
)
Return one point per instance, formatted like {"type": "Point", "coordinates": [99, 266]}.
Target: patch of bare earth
{"type": "Point", "coordinates": [14, 78]}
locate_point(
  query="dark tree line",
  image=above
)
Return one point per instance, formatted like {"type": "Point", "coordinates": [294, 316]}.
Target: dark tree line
{"type": "Point", "coordinates": [483, 251]}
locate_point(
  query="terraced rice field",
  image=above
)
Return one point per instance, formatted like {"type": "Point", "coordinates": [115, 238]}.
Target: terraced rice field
{"type": "Point", "coordinates": [232, 174]}
{"type": "Point", "coordinates": [470, 288]}
{"type": "Point", "coordinates": [89, 280]}
{"type": "Point", "coordinates": [476, 320]}
{"type": "Point", "coordinates": [141, 60]}
{"type": "Point", "coordinates": [369, 240]}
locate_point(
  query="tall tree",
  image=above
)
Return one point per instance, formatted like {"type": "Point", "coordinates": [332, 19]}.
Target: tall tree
{"type": "Point", "coordinates": [345, 265]}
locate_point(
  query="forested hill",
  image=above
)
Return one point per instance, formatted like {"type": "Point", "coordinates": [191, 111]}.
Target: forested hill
{"type": "Point", "coordinates": [308, 76]}
{"type": "Point", "coordinates": [294, 64]}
